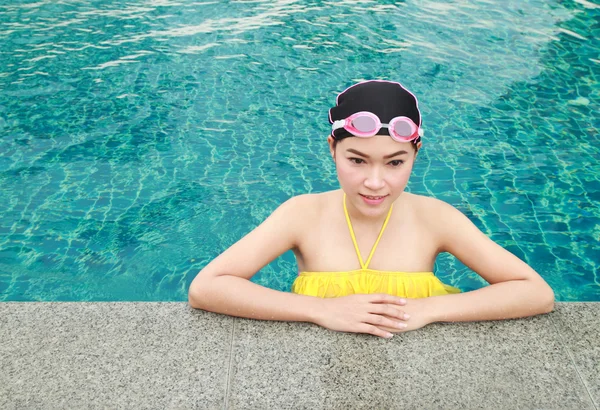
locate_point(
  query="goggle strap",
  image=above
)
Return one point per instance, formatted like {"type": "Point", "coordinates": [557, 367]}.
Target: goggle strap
{"type": "Point", "coordinates": [338, 124]}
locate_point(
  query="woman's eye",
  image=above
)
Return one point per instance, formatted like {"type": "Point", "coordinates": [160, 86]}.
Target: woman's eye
{"type": "Point", "coordinates": [396, 162]}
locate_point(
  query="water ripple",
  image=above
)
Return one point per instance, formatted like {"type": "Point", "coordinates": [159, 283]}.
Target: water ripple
{"type": "Point", "coordinates": [139, 138]}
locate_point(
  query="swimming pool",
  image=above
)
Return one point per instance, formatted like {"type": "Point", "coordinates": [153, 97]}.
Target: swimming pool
{"type": "Point", "coordinates": [141, 139]}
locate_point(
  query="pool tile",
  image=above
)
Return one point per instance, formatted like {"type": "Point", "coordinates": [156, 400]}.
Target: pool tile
{"type": "Point", "coordinates": [112, 355]}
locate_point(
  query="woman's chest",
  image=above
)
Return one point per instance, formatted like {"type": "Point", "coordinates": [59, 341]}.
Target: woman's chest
{"type": "Point", "coordinates": [404, 246]}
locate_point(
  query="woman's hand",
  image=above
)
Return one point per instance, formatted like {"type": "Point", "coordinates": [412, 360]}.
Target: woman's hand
{"type": "Point", "coordinates": [375, 314]}
{"type": "Point", "coordinates": [418, 311]}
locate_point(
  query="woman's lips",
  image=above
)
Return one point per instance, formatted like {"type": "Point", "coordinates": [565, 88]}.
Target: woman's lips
{"type": "Point", "coordinates": [373, 200]}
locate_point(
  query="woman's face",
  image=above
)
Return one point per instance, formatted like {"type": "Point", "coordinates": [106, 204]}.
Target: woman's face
{"type": "Point", "coordinates": [376, 167]}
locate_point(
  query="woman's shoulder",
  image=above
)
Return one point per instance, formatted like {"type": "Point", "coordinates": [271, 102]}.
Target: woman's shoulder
{"type": "Point", "coordinates": [313, 204]}
{"type": "Point", "coordinates": [424, 202]}
{"type": "Point", "coordinates": [431, 211]}
{"type": "Point", "coordinates": [310, 207]}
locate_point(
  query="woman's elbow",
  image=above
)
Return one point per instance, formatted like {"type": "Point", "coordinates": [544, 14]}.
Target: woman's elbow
{"type": "Point", "coordinates": [547, 298]}
{"type": "Point", "coordinates": [193, 299]}
{"type": "Point", "coordinates": [195, 296]}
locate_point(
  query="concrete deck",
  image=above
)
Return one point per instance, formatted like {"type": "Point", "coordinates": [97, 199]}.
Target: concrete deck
{"type": "Point", "coordinates": [167, 355]}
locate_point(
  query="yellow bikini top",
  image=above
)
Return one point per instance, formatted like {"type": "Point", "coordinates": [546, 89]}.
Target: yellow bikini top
{"type": "Point", "coordinates": [365, 266]}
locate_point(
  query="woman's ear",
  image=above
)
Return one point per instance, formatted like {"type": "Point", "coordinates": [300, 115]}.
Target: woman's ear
{"type": "Point", "coordinates": [331, 141]}
{"type": "Point", "coordinates": [418, 147]}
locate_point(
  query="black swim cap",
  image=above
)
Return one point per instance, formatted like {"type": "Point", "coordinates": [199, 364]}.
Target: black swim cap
{"type": "Point", "coordinates": [386, 99]}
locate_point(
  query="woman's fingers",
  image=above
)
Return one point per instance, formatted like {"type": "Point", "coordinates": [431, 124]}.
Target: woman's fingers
{"type": "Point", "coordinates": [374, 330]}
{"type": "Point", "coordinates": [382, 321]}
{"type": "Point", "coordinates": [383, 304]}
{"type": "Point", "coordinates": [385, 298]}
{"type": "Point", "coordinates": [388, 310]}
{"type": "Point", "coordinates": [385, 313]}
{"type": "Point", "coordinates": [376, 314]}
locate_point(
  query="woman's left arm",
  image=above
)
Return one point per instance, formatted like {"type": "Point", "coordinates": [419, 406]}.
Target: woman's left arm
{"type": "Point", "coordinates": [516, 290]}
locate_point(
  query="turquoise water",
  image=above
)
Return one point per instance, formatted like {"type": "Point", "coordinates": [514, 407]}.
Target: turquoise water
{"type": "Point", "coordinates": [141, 139]}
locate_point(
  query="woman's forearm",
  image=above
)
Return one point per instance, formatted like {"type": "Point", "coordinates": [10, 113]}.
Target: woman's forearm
{"type": "Point", "coordinates": [235, 296]}
{"type": "Point", "coordinates": [505, 300]}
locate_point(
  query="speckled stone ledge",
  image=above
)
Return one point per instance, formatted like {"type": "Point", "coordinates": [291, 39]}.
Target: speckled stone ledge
{"type": "Point", "coordinates": [167, 355]}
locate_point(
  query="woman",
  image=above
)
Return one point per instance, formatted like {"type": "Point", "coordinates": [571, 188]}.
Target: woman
{"type": "Point", "coordinates": [375, 139]}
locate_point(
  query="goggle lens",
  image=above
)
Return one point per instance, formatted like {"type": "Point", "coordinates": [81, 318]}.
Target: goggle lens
{"type": "Point", "coordinates": [364, 124]}
{"type": "Point", "coordinates": [403, 128]}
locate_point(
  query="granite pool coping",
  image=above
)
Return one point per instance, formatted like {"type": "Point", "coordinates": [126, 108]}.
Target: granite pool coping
{"type": "Point", "coordinates": [167, 355]}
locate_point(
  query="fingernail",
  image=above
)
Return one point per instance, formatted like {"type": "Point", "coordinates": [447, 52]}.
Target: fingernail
{"type": "Point", "coordinates": [389, 336]}
{"type": "Point", "coordinates": [402, 325]}
{"type": "Point", "coordinates": [406, 316]}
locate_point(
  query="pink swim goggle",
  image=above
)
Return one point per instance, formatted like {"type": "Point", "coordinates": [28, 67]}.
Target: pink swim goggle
{"type": "Point", "coordinates": [365, 124]}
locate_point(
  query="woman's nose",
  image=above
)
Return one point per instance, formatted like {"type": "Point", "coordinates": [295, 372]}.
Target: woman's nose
{"type": "Point", "coordinates": [374, 179]}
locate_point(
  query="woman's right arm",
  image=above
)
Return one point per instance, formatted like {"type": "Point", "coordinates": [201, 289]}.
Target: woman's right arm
{"type": "Point", "coordinates": [224, 286]}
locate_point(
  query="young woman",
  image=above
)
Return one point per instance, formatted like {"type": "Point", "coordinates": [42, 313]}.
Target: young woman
{"type": "Point", "coordinates": [375, 138]}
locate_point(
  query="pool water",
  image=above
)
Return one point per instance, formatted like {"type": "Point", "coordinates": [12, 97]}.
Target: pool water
{"type": "Point", "coordinates": [141, 139]}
